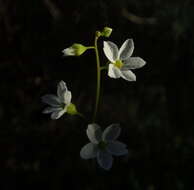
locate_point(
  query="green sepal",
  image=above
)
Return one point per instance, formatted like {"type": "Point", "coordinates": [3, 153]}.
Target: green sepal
{"type": "Point", "coordinates": [79, 49]}
{"type": "Point", "coordinates": [71, 109]}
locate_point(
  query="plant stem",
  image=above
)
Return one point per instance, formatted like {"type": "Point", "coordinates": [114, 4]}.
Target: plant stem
{"type": "Point", "coordinates": [90, 47]}
{"type": "Point", "coordinates": [103, 68]}
{"type": "Point", "coordinates": [98, 79]}
{"type": "Point", "coordinates": [81, 115]}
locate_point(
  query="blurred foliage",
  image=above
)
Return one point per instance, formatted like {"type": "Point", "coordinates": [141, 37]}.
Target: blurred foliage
{"type": "Point", "coordinates": [156, 112]}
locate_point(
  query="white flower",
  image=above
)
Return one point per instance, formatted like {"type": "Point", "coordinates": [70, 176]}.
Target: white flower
{"type": "Point", "coordinates": [103, 145]}
{"type": "Point", "coordinates": [121, 60]}
{"type": "Point", "coordinates": [60, 104]}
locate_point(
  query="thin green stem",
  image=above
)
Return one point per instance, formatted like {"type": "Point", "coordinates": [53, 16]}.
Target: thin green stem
{"type": "Point", "coordinates": [90, 47]}
{"type": "Point", "coordinates": [81, 115]}
{"type": "Point", "coordinates": [103, 67]}
{"type": "Point", "coordinates": [107, 63]}
{"type": "Point", "coordinates": [98, 79]}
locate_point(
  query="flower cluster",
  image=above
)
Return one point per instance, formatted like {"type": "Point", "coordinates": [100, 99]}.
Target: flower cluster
{"type": "Point", "coordinates": [103, 145]}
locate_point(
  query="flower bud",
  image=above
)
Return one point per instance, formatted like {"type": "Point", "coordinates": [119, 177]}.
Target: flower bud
{"type": "Point", "coordinates": [75, 50]}
{"type": "Point", "coordinates": [98, 34]}
{"type": "Point", "coordinates": [106, 32]}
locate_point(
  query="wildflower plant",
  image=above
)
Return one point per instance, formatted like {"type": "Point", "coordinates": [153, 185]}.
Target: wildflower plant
{"type": "Point", "coordinates": [103, 145]}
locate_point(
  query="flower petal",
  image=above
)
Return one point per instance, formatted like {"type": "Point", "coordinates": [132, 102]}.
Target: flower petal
{"type": "Point", "coordinates": [128, 75]}
{"type": "Point", "coordinates": [68, 52]}
{"type": "Point", "coordinates": [51, 109]}
{"type": "Point", "coordinates": [126, 49]}
{"type": "Point", "coordinates": [51, 99]}
{"type": "Point", "coordinates": [111, 132]}
{"type": "Point", "coordinates": [89, 151]}
{"type": "Point", "coordinates": [113, 71]}
{"type": "Point", "coordinates": [117, 148]}
{"type": "Point", "coordinates": [67, 97]}
{"type": "Point", "coordinates": [133, 63]}
{"type": "Point", "coordinates": [61, 89]}
{"type": "Point", "coordinates": [94, 133]}
{"type": "Point", "coordinates": [58, 114]}
{"type": "Point", "coordinates": [111, 51]}
{"type": "Point", "coordinates": [104, 159]}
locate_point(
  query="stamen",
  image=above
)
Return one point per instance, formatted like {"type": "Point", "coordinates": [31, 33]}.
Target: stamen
{"type": "Point", "coordinates": [118, 63]}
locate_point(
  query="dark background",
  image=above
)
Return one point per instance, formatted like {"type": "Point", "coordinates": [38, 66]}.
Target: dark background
{"type": "Point", "coordinates": [156, 112]}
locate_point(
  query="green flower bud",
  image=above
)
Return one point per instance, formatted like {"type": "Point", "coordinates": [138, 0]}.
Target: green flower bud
{"type": "Point", "coordinates": [75, 50]}
{"type": "Point", "coordinates": [98, 34]}
{"type": "Point", "coordinates": [106, 32]}
{"type": "Point", "coordinates": [71, 109]}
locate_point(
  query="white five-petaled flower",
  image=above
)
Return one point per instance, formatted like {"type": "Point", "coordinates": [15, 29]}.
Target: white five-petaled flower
{"type": "Point", "coordinates": [121, 60]}
{"type": "Point", "coordinates": [103, 145]}
{"type": "Point", "coordinates": [60, 104]}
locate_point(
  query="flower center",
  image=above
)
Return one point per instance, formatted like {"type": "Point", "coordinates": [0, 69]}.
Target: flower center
{"type": "Point", "coordinates": [102, 145]}
{"type": "Point", "coordinates": [118, 63]}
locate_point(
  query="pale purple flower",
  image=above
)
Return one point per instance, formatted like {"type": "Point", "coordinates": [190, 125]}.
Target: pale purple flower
{"type": "Point", "coordinates": [121, 61]}
{"type": "Point", "coordinates": [103, 145]}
